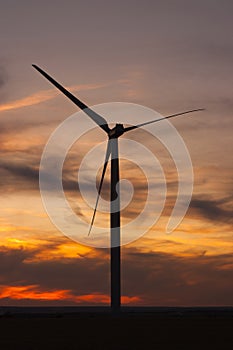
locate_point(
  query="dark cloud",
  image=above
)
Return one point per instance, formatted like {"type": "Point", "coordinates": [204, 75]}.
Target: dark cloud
{"type": "Point", "coordinates": [81, 275]}
{"type": "Point", "coordinates": [19, 170]}
{"type": "Point", "coordinates": [166, 279]}
{"type": "Point", "coordinates": [214, 210]}
{"type": "Point", "coordinates": [18, 177]}
{"type": "Point", "coordinates": [3, 81]}
{"type": "Point", "coordinates": [3, 76]}
{"type": "Point", "coordinates": [157, 278]}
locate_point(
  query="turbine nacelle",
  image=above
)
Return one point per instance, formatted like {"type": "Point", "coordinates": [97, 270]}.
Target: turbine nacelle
{"type": "Point", "coordinates": [116, 132]}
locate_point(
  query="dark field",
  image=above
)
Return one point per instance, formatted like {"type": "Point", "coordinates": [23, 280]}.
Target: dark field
{"type": "Point", "coordinates": [133, 329]}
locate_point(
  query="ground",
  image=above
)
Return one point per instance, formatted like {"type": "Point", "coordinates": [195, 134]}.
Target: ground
{"type": "Point", "coordinates": [155, 330]}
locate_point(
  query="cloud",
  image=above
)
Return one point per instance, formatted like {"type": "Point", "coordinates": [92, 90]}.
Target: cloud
{"type": "Point", "coordinates": [76, 274]}
{"type": "Point", "coordinates": [18, 177]}
{"type": "Point", "coordinates": [165, 279]}
{"type": "Point", "coordinates": [35, 293]}
{"type": "Point", "coordinates": [32, 292]}
{"type": "Point", "coordinates": [21, 170]}
{"type": "Point", "coordinates": [3, 81]}
{"type": "Point", "coordinates": [28, 176]}
{"type": "Point", "coordinates": [3, 76]}
{"type": "Point", "coordinates": [212, 209]}
{"type": "Point", "coordinates": [19, 289]}
{"type": "Point", "coordinates": [43, 96]}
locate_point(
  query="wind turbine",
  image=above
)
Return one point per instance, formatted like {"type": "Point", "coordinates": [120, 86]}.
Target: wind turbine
{"type": "Point", "coordinates": [111, 151]}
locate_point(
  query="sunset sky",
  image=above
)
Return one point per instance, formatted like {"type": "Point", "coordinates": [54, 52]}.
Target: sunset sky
{"type": "Point", "coordinates": [169, 56]}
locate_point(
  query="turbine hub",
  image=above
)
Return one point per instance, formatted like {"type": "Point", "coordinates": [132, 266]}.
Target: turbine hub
{"type": "Point", "coordinates": [117, 131]}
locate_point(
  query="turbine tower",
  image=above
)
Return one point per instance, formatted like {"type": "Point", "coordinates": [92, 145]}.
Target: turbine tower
{"type": "Point", "coordinates": [112, 151]}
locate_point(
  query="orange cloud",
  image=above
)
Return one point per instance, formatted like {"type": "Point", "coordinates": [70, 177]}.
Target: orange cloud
{"type": "Point", "coordinates": [33, 292]}
{"type": "Point", "coordinates": [128, 300]}
{"type": "Point", "coordinates": [43, 96]}
{"type": "Point", "coordinates": [67, 250]}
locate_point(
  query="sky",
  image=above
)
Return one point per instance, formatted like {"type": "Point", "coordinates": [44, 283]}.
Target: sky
{"type": "Point", "coordinates": [168, 56]}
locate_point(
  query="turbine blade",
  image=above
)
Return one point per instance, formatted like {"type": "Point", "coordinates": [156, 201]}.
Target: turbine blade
{"type": "Point", "coordinates": [108, 152]}
{"type": "Point", "coordinates": [158, 120]}
{"type": "Point", "coordinates": [100, 121]}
